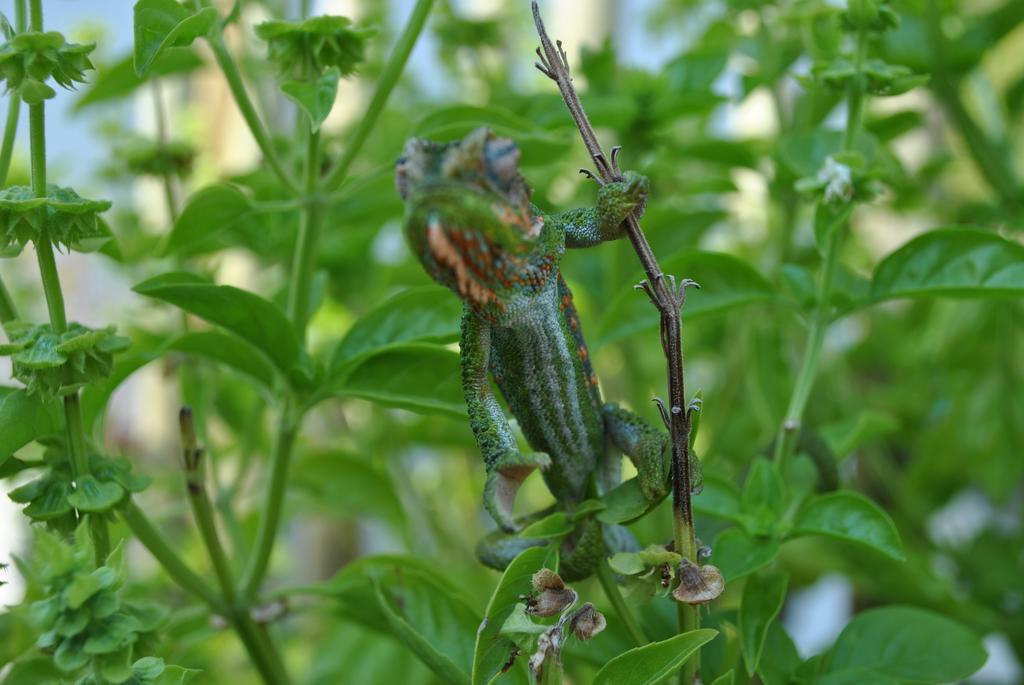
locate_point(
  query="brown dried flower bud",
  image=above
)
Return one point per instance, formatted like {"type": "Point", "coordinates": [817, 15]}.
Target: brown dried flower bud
{"type": "Point", "coordinates": [553, 598]}
{"type": "Point", "coordinates": [587, 622]}
{"type": "Point", "coordinates": [698, 584]}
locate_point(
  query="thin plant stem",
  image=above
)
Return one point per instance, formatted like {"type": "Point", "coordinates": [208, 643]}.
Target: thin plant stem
{"type": "Point", "coordinates": [623, 610]}
{"type": "Point", "coordinates": [789, 431]}
{"type": "Point", "coordinates": [666, 297]}
{"type": "Point", "coordinates": [8, 310]}
{"type": "Point", "coordinates": [385, 84]}
{"type": "Point", "coordinates": [299, 292]}
{"type": "Point", "coordinates": [304, 260]}
{"type": "Point", "coordinates": [273, 502]}
{"type": "Point", "coordinates": [261, 649]}
{"type": "Point", "coordinates": [202, 511]}
{"type": "Point", "coordinates": [10, 133]}
{"type": "Point", "coordinates": [161, 136]}
{"type": "Point", "coordinates": [247, 108]}
{"type": "Point", "coordinates": [75, 430]}
{"type": "Point", "coordinates": [167, 556]}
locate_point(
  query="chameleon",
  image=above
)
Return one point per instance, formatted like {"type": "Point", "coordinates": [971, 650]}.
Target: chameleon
{"type": "Point", "coordinates": [470, 222]}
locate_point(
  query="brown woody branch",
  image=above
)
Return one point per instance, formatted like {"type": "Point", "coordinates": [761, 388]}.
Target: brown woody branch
{"type": "Point", "coordinates": [666, 295]}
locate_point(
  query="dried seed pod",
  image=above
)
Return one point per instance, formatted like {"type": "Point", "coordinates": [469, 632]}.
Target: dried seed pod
{"type": "Point", "coordinates": [587, 622]}
{"type": "Point", "coordinates": [698, 584]}
{"type": "Point", "coordinates": [553, 595]}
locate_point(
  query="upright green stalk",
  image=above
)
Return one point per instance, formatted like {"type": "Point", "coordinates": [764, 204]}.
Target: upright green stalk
{"type": "Point", "coordinates": [270, 516]}
{"type": "Point", "coordinates": [248, 110]}
{"type": "Point", "coordinates": [75, 431]}
{"type": "Point", "coordinates": [303, 269]}
{"type": "Point", "coordinates": [167, 556]}
{"type": "Point", "coordinates": [789, 431]}
{"type": "Point", "coordinates": [161, 137]}
{"type": "Point", "coordinates": [385, 84]}
{"type": "Point", "coordinates": [8, 310]}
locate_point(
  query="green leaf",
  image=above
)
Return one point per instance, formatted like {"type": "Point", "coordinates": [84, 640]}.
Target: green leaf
{"type": "Point", "coordinates": [208, 212]}
{"type": "Point", "coordinates": [229, 351]}
{"type": "Point", "coordinates": [23, 418]}
{"type": "Point", "coordinates": [436, 661]}
{"type": "Point", "coordinates": [655, 662]}
{"type": "Point", "coordinates": [726, 678]}
{"type": "Point", "coordinates": [162, 24]}
{"type": "Point", "coordinates": [247, 315]}
{"type": "Point", "coordinates": [120, 80]}
{"type": "Point", "coordinates": [848, 515]}
{"type": "Point", "coordinates": [720, 498]}
{"type": "Point", "coordinates": [726, 283]}
{"type": "Point", "coordinates": [92, 495]}
{"type": "Point", "coordinates": [952, 262]}
{"type": "Point", "coordinates": [115, 633]}
{"type": "Point", "coordinates": [624, 503]}
{"type": "Point", "coordinates": [176, 675]}
{"type": "Point", "coordinates": [315, 99]}
{"type": "Point", "coordinates": [764, 496]}
{"type": "Point", "coordinates": [418, 377]}
{"type": "Point", "coordinates": [905, 644]}
{"type": "Point", "coordinates": [554, 525]}
{"type": "Point", "coordinates": [492, 650]}
{"type": "Point", "coordinates": [85, 585]}
{"type": "Point", "coordinates": [425, 314]}
{"type": "Point", "coordinates": [627, 563]}
{"type": "Point", "coordinates": [763, 596]}
{"type": "Point", "coordinates": [737, 554]}
{"type": "Point", "coordinates": [779, 660]}
{"type": "Point", "coordinates": [413, 601]}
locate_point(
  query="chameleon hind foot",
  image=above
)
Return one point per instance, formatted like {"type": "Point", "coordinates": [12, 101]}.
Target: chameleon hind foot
{"type": "Point", "coordinates": [505, 475]}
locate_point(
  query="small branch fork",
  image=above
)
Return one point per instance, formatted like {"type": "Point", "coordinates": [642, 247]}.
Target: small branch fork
{"type": "Point", "coordinates": [665, 293]}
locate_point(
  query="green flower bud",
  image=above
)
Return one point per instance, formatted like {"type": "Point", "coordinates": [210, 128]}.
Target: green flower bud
{"type": "Point", "coordinates": [51, 364]}
{"type": "Point", "coordinates": [29, 59]}
{"type": "Point", "coordinates": [69, 219]}
{"type": "Point", "coordinates": [308, 48]}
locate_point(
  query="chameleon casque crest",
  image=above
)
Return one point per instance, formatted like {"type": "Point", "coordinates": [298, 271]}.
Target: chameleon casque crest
{"type": "Point", "coordinates": [470, 222]}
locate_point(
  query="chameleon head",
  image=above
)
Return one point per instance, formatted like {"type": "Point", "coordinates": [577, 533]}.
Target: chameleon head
{"type": "Point", "coordinates": [468, 216]}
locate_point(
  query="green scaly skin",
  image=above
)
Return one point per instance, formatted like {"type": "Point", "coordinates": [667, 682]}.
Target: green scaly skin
{"type": "Point", "coordinates": [470, 222]}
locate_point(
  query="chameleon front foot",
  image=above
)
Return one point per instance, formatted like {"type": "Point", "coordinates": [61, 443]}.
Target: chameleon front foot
{"type": "Point", "coordinates": [505, 475]}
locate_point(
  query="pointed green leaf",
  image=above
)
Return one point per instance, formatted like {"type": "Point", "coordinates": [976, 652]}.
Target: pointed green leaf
{"type": "Point", "coordinates": [952, 262]}
{"type": "Point", "coordinates": [24, 418]}
{"type": "Point", "coordinates": [418, 377]}
{"type": "Point", "coordinates": [655, 662]}
{"type": "Point", "coordinates": [848, 515]}
{"type": "Point", "coordinates": [252, 318]}
{"type": "Point", "coordinates": [737, 554]}
{"type": "Point", "coordinates": [207, 212]}
{"type": "Point", "coordinates": [315, 99]}
{"type": "Point", "coordinates": [161, 24]}
{"type": "Point", "coordinates": [93, 495]}
{"type": "Point", "coordinates": [763, 596]}
{"type": "Point", "coordinates": [905, 644]}
{"type": "Point", "coordinates": [229, 351]}
{"type": "Point", "coordinates": [425, 314]}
